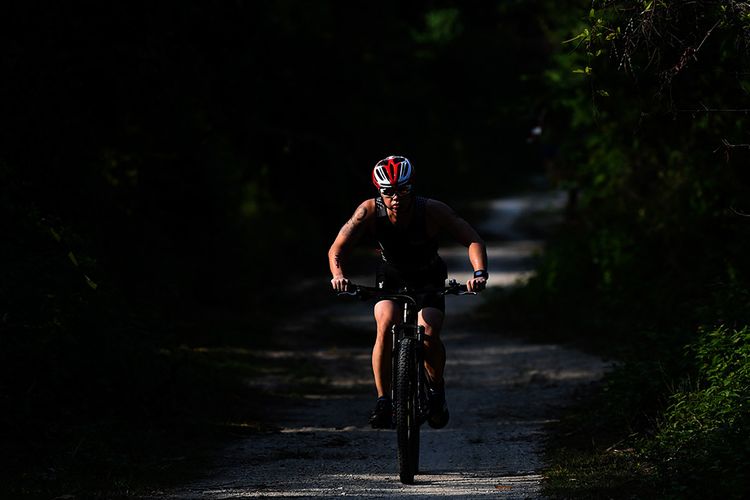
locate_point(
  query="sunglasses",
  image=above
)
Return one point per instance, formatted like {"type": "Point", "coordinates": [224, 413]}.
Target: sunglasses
{"type": "Point", "coordinates": [391, 192]}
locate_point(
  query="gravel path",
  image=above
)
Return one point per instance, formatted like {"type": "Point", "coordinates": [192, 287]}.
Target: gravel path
{"type": "Point", "coordinates": [501, 393]}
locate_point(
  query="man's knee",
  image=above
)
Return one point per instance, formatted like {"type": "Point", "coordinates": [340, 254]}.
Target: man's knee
{"type": "Point", "coordinates": [386, 314]}
{"type": "Point", "coordinates": [386, 309]}
{"type": "Point", "coordinates": [432, 320]}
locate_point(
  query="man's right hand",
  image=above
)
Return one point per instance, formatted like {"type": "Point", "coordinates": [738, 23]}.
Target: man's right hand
{"type": "Point", "coordinates": [340, 283]}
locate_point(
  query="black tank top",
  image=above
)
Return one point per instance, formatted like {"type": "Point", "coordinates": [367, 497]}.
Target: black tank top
{"type": "Point", "coordinates": [406, 248]}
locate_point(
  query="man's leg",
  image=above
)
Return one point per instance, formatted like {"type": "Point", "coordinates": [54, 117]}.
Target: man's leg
{"type": "Point", "coordinates": [386, 314]}
{"type": "Point", "coordinates": [432, 320]}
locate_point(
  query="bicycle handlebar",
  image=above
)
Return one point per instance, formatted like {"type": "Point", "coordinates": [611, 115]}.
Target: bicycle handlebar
{"type": "Point", "coordinates": [368, 292]}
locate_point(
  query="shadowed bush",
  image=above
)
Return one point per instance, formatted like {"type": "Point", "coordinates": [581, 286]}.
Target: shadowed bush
{"type": "Point", "coordinates": [703, 440]}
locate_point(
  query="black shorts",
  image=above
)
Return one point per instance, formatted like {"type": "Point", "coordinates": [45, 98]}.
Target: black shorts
{"type": "Point", "coordinates": [432, 277]}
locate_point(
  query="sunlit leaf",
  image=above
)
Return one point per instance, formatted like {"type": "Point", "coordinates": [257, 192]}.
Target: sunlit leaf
{"type": "Point", "coordinates": [55, 235]}
{"type": "Point", "coordinates": [577, 37]}
{"type": "Point", "coordinates": [90, 283]}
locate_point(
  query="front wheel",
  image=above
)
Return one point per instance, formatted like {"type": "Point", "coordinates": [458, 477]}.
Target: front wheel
{"type": "Point", "coordinates": [407, 423]}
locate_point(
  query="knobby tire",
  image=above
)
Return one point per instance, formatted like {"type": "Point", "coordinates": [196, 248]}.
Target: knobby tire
{"type": "Point", "coordinates": [407, 425]}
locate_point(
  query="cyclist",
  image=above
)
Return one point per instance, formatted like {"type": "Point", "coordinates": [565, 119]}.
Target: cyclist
{"type": "Point", "coordinates": [406, 227]}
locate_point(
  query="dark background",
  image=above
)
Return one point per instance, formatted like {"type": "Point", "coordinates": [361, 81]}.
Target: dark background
{"type": "Point", "coordinates": [168, 172]}
{"type": "Point", "coordinates": [198, 144]}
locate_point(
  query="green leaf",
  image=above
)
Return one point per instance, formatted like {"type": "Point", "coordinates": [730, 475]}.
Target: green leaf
{"type": "Point", "coordinates": [90, 283]}
{"type": "Point", "coordinates": [55, 235]}
{"type": "Point", "coordinates": [579, 35]}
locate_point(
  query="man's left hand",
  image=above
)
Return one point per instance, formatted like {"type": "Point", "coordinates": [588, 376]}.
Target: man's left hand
{"type": "Point", "coordinates": [476, 284]}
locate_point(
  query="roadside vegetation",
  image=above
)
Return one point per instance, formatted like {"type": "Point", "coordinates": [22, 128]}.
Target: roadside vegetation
{"type": "Point", "coordinates": [647, 128]}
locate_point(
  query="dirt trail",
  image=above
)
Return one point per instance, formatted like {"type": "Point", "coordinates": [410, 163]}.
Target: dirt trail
{"type": "Point", "coordinates": [501, 392]}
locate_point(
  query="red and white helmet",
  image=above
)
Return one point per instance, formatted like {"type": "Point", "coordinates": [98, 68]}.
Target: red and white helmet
{"type": "Point", "coordinates": [392, 172]}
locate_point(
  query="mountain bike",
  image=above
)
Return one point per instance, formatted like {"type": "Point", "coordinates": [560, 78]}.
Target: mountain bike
{"type": "Point", "coordinates": [409, 383]}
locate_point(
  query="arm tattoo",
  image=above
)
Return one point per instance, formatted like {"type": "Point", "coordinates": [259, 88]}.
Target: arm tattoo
{"type": "Point", "coordinates": [347, 229]}
{"type": "Point", "coordinates": [354, 224]}
{"type": "Point", "coordinates": [337, 260]}
{"type": "Point", "coordinates": [360, 214]}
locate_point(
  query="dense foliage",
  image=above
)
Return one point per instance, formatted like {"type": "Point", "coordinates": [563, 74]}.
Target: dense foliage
{"type": "Point", "coordinates": [649, 112]}
{"type": "Point", "coordinates": [705, 432]}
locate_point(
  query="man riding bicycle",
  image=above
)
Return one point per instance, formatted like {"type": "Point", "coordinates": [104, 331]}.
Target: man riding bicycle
{"type": "Point", "coordinates": [406, 228]}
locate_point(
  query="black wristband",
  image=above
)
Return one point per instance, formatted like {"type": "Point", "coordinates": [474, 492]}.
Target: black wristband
{"type": "Point", "coordinates": [481, 274]}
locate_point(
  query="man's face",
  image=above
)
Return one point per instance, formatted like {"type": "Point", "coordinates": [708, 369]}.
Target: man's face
{"type": "Point", "coordinates": [395, 198]}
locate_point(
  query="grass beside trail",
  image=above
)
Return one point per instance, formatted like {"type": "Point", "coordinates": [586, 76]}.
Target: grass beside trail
{"type": "Point", "coordinates": [589, 458]}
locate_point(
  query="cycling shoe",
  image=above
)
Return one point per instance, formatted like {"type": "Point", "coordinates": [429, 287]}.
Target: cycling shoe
{"type": "Point", "coordinates": [382, 416]}
{"type": "Point", "coordinates": [438, 409]}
